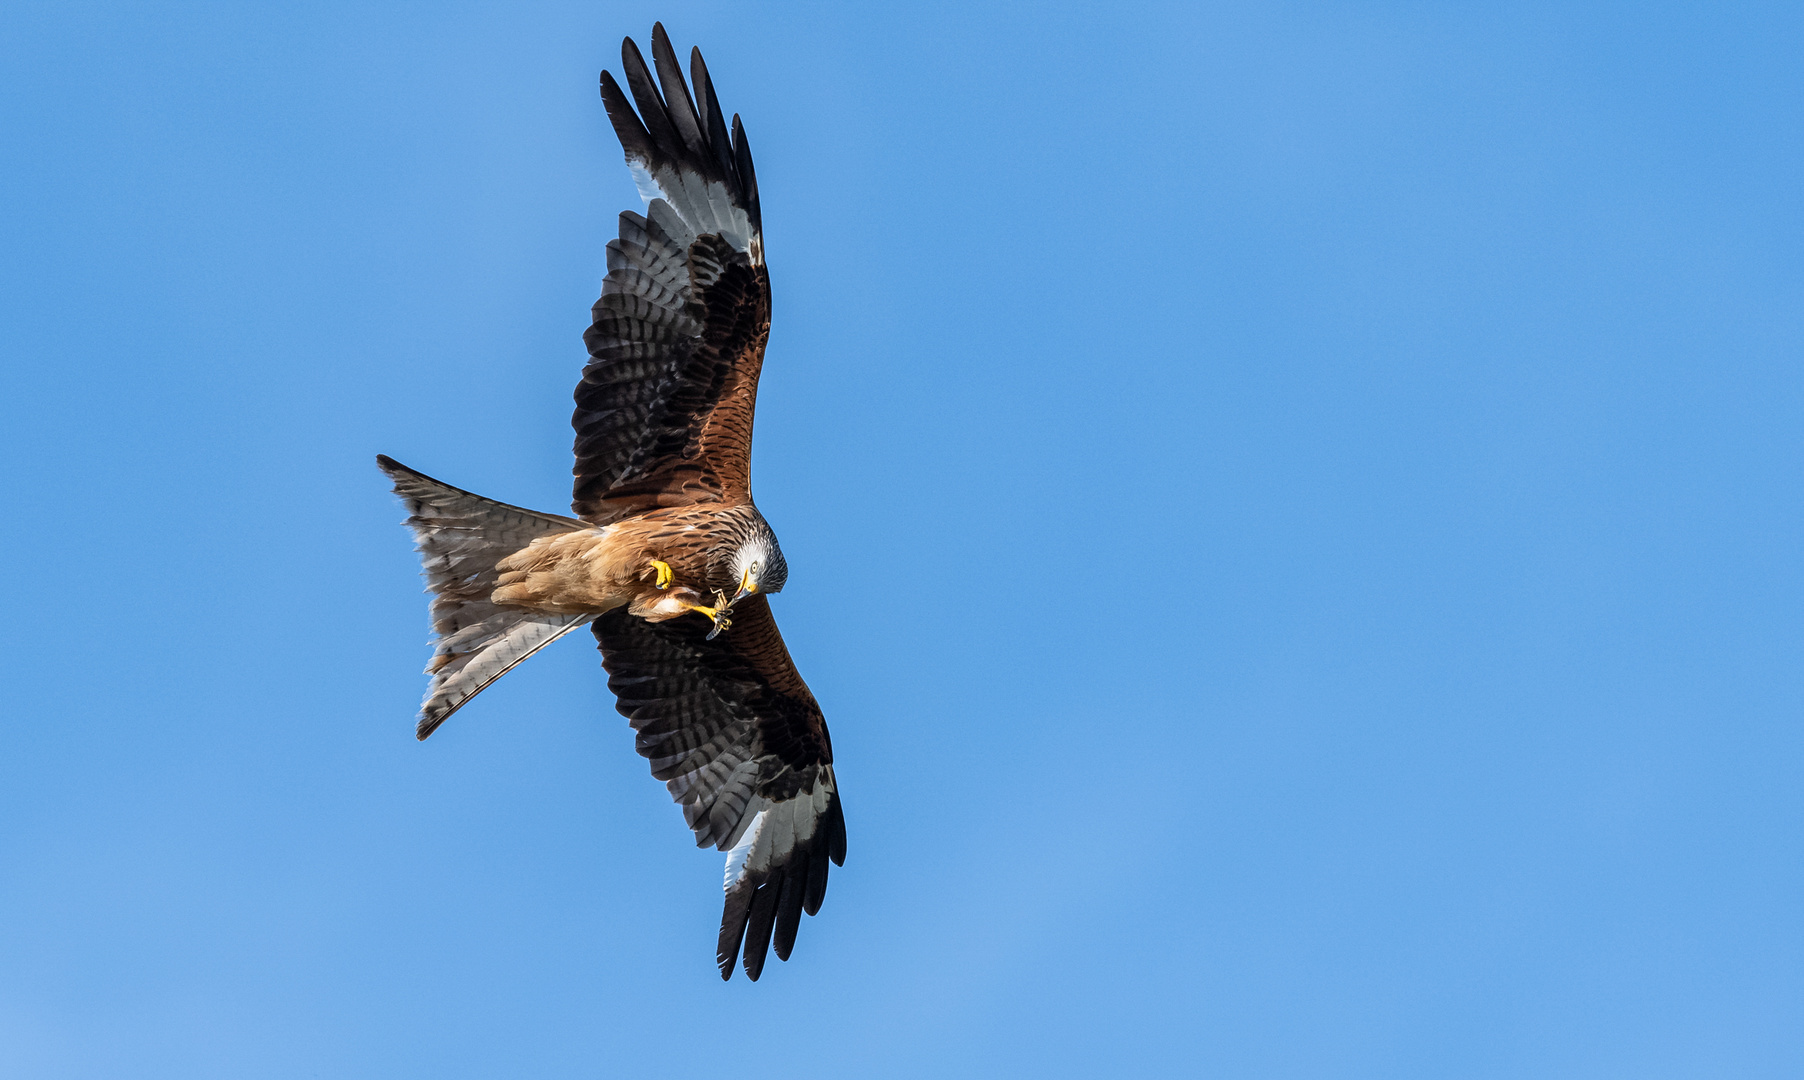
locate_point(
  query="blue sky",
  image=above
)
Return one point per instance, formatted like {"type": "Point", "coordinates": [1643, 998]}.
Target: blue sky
{"type": "Point", "coordinates": [1292, 512]}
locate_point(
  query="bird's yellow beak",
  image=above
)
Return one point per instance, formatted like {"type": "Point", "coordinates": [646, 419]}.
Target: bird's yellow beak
{"type": "Point", "coordinates": [747, 586]}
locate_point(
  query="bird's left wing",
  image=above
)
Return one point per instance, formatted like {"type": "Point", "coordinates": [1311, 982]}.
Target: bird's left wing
{"type": "Point", "coordinates": [741, 743]}
{"type": "Point", "coordinates": [664, 410]}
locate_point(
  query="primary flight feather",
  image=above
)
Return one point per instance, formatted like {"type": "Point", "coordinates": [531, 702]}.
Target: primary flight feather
{"type": "Point", "coordinates": [667, 559]}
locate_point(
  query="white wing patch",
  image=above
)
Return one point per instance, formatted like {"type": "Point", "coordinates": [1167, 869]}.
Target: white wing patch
{"type": "Point", "coordinates": [643, 180]}
{"type": "Point", "coordinates": [736, 859]}
{"type": "Point", "coordinates": [774, 832]}
{"type": "Point", "coordinates": [704, 207]}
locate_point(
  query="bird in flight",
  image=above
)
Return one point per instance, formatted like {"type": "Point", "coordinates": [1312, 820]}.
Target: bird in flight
{"type": "Point", "coordinates": [666, 558]}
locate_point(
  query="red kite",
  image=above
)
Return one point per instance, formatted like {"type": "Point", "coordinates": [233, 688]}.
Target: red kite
{"type": "Point", "coordinates": [667, 557]}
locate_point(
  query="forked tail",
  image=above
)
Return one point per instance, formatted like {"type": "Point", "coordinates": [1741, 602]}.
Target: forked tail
{"type": "Point", "coordinates": [461, 537]}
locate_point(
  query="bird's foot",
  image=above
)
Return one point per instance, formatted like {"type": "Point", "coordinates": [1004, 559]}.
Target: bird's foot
{"type": "Point", "coordinates": [718, 613]}
{"type": "Point", "coordinates": [665, 575]}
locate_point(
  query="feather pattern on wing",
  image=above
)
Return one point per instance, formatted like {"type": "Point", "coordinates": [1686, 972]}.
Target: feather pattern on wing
{"type": "Point", "coordinates": [664, 410]}
{"type": "Point", "coordinates": [741, 744]}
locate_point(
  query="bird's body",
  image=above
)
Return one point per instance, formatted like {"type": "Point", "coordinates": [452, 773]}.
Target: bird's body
{"type": "Point", "coordinates": [667, 558]}
{"type": "Point", "coordinates": [708, 549]}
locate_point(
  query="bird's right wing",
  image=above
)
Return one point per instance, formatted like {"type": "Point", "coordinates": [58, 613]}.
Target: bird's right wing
{"type": "Point", "coordinates": [664, 410]}
{"type": "Point", "coordinates": [741, 743]}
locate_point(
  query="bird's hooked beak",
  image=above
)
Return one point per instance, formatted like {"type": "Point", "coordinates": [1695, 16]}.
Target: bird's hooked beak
{"type": "Point", "coordinates": [748, 584]}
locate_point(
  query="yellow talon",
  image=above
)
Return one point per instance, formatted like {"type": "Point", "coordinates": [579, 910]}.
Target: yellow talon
{"type": "Point", "coordinates": [665, 576]}
{"type": "Point", "coordinates": [718, 613]}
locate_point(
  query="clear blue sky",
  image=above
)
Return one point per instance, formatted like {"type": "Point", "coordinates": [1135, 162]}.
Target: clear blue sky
{"type": "Point", "coordinates": [1293, 513]}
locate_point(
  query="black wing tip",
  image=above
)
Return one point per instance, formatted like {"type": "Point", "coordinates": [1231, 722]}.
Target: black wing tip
{"type": "Point", "coordinates": [657, 131]}
{"type": "Point", "coordinates": [748, 176]}
{"type": "Point", "coordinates": [732, 930]}
{"type": "Point", "coordinates": [815, 890]}
{"type": "Point", "coordinates": [836, 832]}
{"type": "Point", "coordinates": [759, 924]}
{"type": "Point", "coordinates": [765, 916]}
{"type": "Point", "coordinates": [789, 905]}
{"type": "Point", "coordinates": [629, 52]}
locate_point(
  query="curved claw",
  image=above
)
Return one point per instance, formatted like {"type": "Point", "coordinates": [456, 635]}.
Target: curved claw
{"type": "Point", "coordinates": [718, 613]}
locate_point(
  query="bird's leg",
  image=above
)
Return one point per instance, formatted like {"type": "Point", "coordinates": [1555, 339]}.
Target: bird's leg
{"type": "Point", "coordinates": [718, 613]}
{"type": "Point", "coordinates": [665, 575]}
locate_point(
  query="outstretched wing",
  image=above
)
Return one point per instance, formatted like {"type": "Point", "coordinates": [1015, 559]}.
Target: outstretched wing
{"type": "Point", "coordinates": [734, 732]}
{"type": "Point", "coordinates": [664, 410]}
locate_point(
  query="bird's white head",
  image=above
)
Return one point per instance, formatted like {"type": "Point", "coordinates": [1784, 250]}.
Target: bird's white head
{"type": "Point", "coordinates": [759, 565]}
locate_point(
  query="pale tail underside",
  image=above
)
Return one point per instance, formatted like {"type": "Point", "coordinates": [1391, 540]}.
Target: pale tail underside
{"type": "Point", "coordinates": [484, 651]}
{"type": "Point", "coordinates": [461, 536]}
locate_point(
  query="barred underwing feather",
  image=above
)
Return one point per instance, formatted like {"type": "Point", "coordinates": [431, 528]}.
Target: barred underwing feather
{"type": "Point", "coordinates": [666, 218]}
{"type": "Point", "coordinates": [644, 245]}
{"type": "Point", "coordinates": [640, 307]}
{"type": "Point", "coordinates": [612, 373]}
{"type": "Point", "coordinates": [631, 281]}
